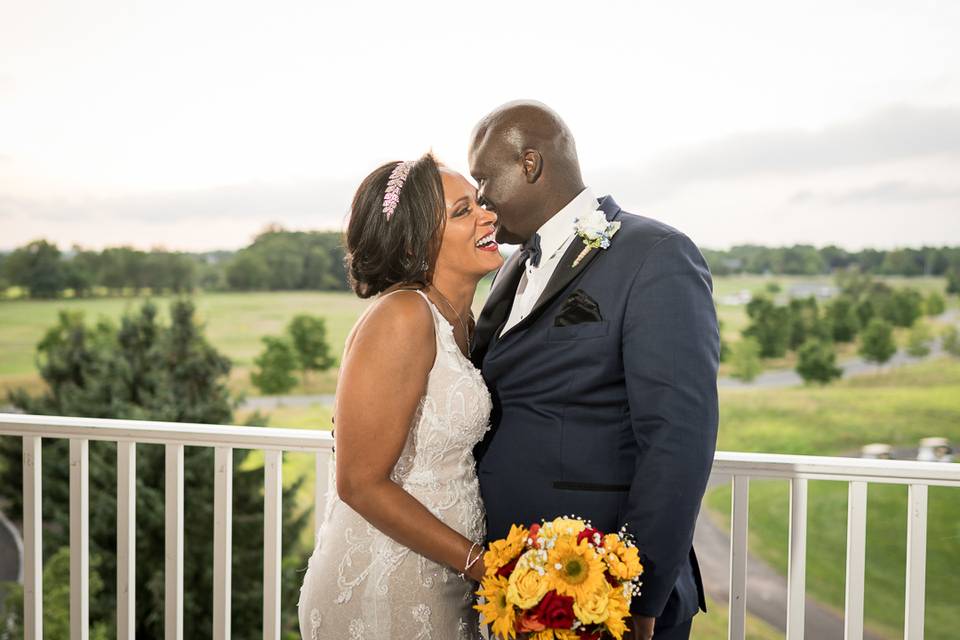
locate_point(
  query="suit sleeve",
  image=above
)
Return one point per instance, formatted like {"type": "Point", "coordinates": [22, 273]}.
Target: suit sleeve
{"type": "Point", "coordinates": [671, 348]}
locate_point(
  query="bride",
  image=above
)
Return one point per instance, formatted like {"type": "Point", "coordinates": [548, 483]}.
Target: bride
{"type": "Point", "coordinates": [400, 545]}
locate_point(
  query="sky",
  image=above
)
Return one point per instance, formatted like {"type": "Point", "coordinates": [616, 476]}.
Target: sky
{"type": "Point", "coordinates": [193, 125]}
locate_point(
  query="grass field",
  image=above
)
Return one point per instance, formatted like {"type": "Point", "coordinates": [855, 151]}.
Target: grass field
{"type": "Point", "coordinates": [235, 322]}
{"type": "Point", "coordinates": [898, 407]}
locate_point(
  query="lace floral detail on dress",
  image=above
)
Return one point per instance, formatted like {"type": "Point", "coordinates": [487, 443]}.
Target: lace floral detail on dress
{"type": "Point", "coordinates": [356, 629]}
{"type": "Point", "coordinates": [421, 613]}
{"type": "Point", "coordinates": [315, 619]}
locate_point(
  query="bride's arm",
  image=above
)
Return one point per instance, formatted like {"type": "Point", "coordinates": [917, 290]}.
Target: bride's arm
{"type": "Point", "coordinates": [382, 379]}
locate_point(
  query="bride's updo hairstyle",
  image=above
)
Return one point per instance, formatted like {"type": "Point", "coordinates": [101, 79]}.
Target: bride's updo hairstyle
{"type": "Point", "coordinates": [397, 240]}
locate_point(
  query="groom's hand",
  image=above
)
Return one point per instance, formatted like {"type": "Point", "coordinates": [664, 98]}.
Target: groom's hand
{"type": "Point", "coordinates": [641, 627]}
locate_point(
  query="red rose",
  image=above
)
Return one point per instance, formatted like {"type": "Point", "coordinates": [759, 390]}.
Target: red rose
{"type": "Point", "coordinates": [588, 635]}
{"type": "Point", "coordinates": [587, 534]}
{"type": "Point", "coordinates": [555, 611]}
{"type": "Point", "coordinates": [507, 569]}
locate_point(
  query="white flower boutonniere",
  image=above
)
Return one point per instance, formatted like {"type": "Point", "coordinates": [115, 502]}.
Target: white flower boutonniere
{"type": "Point", "coordinates": [595, 231]}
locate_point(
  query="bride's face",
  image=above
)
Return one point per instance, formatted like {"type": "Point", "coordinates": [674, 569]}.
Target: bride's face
{"type": "Point", "coordinates": [468, 246]}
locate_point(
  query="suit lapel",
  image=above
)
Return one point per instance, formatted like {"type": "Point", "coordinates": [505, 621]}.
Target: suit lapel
{"type": "Point", "coordinates": [497, 307]}
{"type": "Point", "coordinates": [565, 272]}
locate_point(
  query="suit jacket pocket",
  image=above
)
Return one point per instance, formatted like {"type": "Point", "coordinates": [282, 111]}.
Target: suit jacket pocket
{"type": "Point", "coordinates": [578, 331]}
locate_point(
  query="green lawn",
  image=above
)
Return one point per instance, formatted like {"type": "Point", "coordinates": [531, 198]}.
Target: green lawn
{"type": "Point", "coordinates": [898, 407]}
{"type": "Point", "coordinates": [235, 322]}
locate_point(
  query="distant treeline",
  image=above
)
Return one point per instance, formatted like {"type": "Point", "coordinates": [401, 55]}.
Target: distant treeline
{"type": "Point", "coordinates": [808, 260]}
{"type": "Point", "coordinates": [311, 260]}
{"type": "Point", "coordinates": [276, 260]}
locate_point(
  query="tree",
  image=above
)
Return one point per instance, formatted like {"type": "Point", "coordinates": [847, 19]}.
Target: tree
{"type": "Point", "coordinates": [953, 281]}
{"type": "Point", "coordinates": [144, 369]}
{"type": "Point", "coordinates": [934, 305]}
{"type": "Point", "coordinates": [842, 316]}
{"type": "Point", "coordinates": [745, 360]}
{"type": "Point", "coordinates": [247, 271]}
{"type": "Point", "coordinates": [918, 343]}
{"type": "Point", "coordinates": [817, 361]}
{"type": "Point", "coordinates": [951, 341]}
{"type": "Point", "coordinates": [724, 345]}
{"type": "Point", "coordinates": [903, 307]}
{"type": "Point", "coordinates": [275, 366]}
{"type": "Point", "coordinates": [805, 322]}
{"type": "Point", "coordinates": [876, 342]}
{"type": "Point", "coordinates": [308, 335]}
{"type": "Point", "coordinates": [56, 600]}
{"type": "Point", "coordinates": [769, 326]}
{"type": "Point", "coordinates": [37, 268]}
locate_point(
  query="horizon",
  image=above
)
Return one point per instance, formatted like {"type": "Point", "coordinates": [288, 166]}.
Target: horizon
{"type": "Point", "coordinates": [741, 124]}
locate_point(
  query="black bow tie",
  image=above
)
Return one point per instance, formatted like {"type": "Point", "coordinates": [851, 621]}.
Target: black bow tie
{"type": "Point", "coordinates": [531, 251]}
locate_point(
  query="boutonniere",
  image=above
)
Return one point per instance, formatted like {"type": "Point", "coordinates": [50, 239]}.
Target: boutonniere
{"type": "Point", "coordinates": [595, 231]}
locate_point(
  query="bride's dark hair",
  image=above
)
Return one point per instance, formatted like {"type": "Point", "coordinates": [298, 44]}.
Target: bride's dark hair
{"type": "Point", "coordinates": [403, 249]}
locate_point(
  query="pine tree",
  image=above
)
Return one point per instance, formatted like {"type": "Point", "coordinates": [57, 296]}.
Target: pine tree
{"type": "Point", "coordinates": [149, 371]}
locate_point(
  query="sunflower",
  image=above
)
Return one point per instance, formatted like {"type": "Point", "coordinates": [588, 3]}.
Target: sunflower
{"type": "Point", "coordinates": [496, 611]}
{"type": "Point", "coordinates": [574, 569]}
{"type": "Point", "coordinates": [566, 634]}
{"type": "Point", "coordinates": [504, 551]}
{"type": "Point", "coordinates": [618, 608]}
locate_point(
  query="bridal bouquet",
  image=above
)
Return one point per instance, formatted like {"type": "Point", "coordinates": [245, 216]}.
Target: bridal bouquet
{"type": "Point", "coordinates": [559, 580]}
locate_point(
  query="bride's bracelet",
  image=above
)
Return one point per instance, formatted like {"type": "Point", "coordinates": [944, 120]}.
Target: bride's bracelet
{"type": "Point", "coordinates": [470, 562]}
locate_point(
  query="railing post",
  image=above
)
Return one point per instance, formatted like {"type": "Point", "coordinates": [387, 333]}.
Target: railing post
{"type": "Point", "coordinates": [222, 541]}
{"type": "Point", "coordinates": [738, 558]}
{"type": "Point", "coordinates": [916, 561]}
{"type": "Point", "coordinates": [797, 563]}
{"type": "Point", "coordinates": [126, 540]}
{"type": "Point", "coordinates": [79, 539]}
{"type": "Point", "coordinates": [272, 530]}
{"type": "Point", "coordinates": [173, 544]}
{"type": "Point", "coordinates": [32, 539]}
{"type": "Point", "coordinates": [856, 559]}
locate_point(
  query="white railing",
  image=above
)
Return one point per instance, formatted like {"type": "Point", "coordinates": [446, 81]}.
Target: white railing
{"type": "Point", "coordinates": [741, 467]}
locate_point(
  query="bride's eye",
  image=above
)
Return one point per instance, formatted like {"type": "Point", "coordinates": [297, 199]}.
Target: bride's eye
{"type": "Point", "coordinates": [462, 212]}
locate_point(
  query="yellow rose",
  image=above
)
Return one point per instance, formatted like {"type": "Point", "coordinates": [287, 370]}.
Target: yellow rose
{"type": "Point", "coordinates": [526, 586]}
{"type": "Point", "coordinates": [567, 526]}
{"type": "Point", "coordinates": [595, 608]}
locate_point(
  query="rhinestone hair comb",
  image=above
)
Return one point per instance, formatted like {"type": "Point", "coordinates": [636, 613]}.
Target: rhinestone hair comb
{"type": "Point", "coordinates": [391, 197]}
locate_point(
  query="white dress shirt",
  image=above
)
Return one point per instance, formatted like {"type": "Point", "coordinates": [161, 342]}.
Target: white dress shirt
{"type": "Point", "coordinates": [555, 236]}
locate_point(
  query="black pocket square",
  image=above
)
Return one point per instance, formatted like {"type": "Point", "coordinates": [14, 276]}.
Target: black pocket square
{"type": "Point", "coordinates": [579, 308]}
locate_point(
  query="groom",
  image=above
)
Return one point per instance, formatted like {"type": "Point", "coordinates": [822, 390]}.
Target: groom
{"type": "Point", "coordinates": [602, 363]}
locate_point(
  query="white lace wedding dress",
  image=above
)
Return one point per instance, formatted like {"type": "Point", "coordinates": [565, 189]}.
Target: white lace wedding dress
{"type": "Point", "coordinates": [361, 584]}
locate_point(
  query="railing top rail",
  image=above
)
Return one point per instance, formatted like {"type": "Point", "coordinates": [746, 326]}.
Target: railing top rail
{"type": "Point", "coordinates": [156, 432]}
{"type": "Point", "coordinates": [774, 465]}
{"type": "Point", "coordinates": [205, 435]}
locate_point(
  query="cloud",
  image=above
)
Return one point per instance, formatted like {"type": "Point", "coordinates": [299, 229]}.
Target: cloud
{"type": "Point", "coordinates": [321, 204]}
{"type": "Point", "coordinates": [885, 136]}
{"type": "Point", "coordinates": [890, 192]}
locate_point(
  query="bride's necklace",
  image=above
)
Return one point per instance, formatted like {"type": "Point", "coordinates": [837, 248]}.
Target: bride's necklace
{"type": "Point", "coordinates": [466, 332]}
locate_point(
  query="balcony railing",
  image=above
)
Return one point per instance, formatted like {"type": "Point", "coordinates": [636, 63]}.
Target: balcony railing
{"type": "Point", "coordinates": [741, 467]}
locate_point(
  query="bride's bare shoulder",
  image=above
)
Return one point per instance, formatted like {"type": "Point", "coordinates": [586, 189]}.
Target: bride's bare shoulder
{"type": "Point", "coordinates": [400, 323]}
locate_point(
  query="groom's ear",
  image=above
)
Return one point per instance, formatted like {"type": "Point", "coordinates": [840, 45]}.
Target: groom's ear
{"type": "Point", "coordinates": [532, 165]}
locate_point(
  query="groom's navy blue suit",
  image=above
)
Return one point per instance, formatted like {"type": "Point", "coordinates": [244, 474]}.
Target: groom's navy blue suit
{"type": "Point", "coordinates": [605, 401]}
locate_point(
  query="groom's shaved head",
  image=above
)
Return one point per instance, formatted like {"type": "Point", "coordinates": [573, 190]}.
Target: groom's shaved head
{"type": "Point", "coordinates": [524, 160]}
